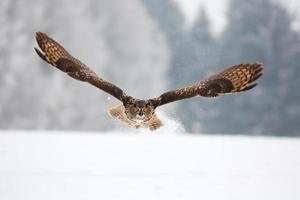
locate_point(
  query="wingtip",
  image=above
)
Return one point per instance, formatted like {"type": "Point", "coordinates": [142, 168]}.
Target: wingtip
{"type": "Point", "coordinates": [258, 63]}
{"type": "Point", "coordinates": [40, 54]}
{"type": "Point", "coordinates": [41, 38]}
{"type": "Point", "coordinates": [258, 71]}
{"type": "Point", "coordinates": [259, 67]}
{"type": "Point", "coordinates": [249, 87]}
{"type": "Point", "coordinates": [39, 34]}
{"type": "Point", "coordinates": [256, 76]}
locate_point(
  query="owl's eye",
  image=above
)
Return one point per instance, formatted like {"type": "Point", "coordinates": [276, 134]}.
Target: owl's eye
{"type": "Point", "coordinates": [135, 109]}
{"type": "Point", "coordinates": [145, 109]}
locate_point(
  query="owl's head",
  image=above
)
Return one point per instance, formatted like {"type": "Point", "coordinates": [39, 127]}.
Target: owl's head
{"type": "Point", "coordinates": [139, 110]}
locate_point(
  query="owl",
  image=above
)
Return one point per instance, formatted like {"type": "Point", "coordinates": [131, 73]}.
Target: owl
{"type": "Point", "coordinates": [140, 113]}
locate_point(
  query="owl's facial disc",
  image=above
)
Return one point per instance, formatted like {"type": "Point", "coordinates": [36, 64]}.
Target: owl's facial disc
{"type": "Point", "coordinates": [139, 111]}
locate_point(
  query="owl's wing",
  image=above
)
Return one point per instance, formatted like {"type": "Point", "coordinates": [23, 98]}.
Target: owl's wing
{"type": "Point", "coordinates": [57, 56]}
{"type": "Point", "coordinates": [235, 79]}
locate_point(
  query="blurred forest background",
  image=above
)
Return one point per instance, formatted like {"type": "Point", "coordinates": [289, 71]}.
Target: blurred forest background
{"type": "Point", "coordinates": [144, 47]}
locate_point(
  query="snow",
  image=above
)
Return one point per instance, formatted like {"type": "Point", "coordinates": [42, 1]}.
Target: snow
{"type": "Point", "coordinates": [144, 165]}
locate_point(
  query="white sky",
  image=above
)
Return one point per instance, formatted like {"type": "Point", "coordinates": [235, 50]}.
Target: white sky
{"type": "Point", "coordinates": [217, 11]}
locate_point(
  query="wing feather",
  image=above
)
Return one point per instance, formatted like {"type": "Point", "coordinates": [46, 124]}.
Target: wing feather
{"type": "Point", "coordinates": [54, 54]}
{"type": "Point", "coordinates": [235, 79]}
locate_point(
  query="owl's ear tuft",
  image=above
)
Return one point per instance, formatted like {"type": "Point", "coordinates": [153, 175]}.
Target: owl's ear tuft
{"type": "Point", "coordinates": [127, 100]}
{"type": "Point", "coordinates": [154, 102]}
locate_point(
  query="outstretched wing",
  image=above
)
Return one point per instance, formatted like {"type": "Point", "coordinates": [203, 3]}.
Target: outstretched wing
{"type": "Point", "coordinates": [235, 79]}
{"type": "Point", "coordinates": [56, 55]}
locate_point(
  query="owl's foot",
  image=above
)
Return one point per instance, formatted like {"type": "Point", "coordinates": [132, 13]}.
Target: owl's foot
{"type": "Point", "coordinates": [155, 123]}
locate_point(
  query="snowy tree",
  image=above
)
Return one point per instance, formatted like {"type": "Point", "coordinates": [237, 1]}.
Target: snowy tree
{"type": "Point", "coordinates": [198, 58]}
{"type": "Point", "coordinates": [171, 21]}
{"type": "Point", "coordinates": [260, 31]}
{"type": "Point", "coordinates": [113, 42]}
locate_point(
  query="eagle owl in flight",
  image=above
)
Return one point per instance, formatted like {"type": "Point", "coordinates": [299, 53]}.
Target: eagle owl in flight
{"type": "Point", "coordinates": [141, 113]}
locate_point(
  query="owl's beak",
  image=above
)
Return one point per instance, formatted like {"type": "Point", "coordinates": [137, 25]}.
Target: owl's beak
{"type": "Point", "coordinates": [140, 113]}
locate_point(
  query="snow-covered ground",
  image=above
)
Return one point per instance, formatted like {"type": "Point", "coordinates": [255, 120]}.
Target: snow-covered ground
{"type": "Point", "coordinates": [113, 166]}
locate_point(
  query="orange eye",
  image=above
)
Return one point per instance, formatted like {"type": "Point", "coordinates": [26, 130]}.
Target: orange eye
{"type": "Point", "coordinates": [145, 109]}
{"type": "Point", "coordinates": [135, 109]}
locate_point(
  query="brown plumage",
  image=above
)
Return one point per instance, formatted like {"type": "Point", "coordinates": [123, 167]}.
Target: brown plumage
{"type": "Point", "coordinates": [235, 79]}
{"type": "Point", "coordinates": [57, 56]}
{"type": "Point", "coordinates": [141, 113]}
